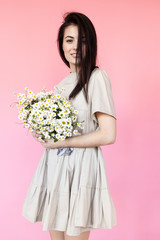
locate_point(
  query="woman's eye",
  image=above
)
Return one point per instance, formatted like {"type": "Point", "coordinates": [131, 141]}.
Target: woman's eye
{"type": "Point", "coordinates": [83, 41]}
{"type": "Point", "coordinates": [69, 41]}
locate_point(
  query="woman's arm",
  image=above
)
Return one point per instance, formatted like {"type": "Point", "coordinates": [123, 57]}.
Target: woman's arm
{"type": "Point", "coordinates": [106, 134]}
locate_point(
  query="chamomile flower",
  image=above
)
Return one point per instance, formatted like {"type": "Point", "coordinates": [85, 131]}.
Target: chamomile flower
{"type": "Point", "coordinates": [20, 117]}
{"type": "Point", "coordinates": [69, 134]}
{"type": "Point", "coordinates": [36, 105]}
{"type": "Point", "coordinates": [29, 120]}
{"type": "Point", "coordinates": [47, 137]}
{"type": "Point", "coordinates": [61, 114]}
{"type": "Point", "coordinates": [45, 133]}
{"type": "Point", "coordinates": [29, 99]}
{"type": "Point", "coordinates": [75, 132]}
{"type": "Point", "coordinates": [46, 104]}
{"type": "Point", "coordinates": [40, 118]}
{"type": "Point", "coordinates": [44, 122]}
{"type": "Point", "coordinates": [60, 130]}
{"type": "Point", "coordinates": [56, 128]}
{"type": "Point", "coordinates": [53, 114]}
{"type": "Point", "coordinates": [52, 123]}
{"type": "Point", "coordinates": [63, 89]}
{"type": "Point", "coordinates": [49, 117]}
{"type": "Point", "coordinates": [63, 122]}
{"type": "Point", "coordinates": [75, 111]}
{"type": "Point", "coordinates": [30, 92]}
{"type": "Point", "coordinates": [54, 107]}
{"type": "Point", "coordinates": [62, 137]}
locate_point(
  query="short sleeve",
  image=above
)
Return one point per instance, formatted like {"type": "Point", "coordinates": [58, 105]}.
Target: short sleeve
{"type": "Point", "coordinates": [101, 98]}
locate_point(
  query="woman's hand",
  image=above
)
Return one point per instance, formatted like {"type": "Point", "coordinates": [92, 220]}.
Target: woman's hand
{"type": "Point", "coordinates": [46, 143]}
{"type": "Point", "coordinates": [51, 144]}
{"type": "Point", "coordinates": [36, 135]}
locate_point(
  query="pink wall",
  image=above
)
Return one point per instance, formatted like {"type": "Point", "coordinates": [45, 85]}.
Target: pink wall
{"type": "Point", "coordinates": [129, 50]}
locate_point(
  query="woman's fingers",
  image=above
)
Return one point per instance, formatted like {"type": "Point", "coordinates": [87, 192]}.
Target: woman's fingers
{"type": "Point", "coordinates": [33, 133]}
{"type": "Point", "coordinates": [36, 135]}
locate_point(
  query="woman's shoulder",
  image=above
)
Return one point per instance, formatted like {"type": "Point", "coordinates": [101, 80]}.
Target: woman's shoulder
{"type": "Point", "coordinates": [98, 75]}
{"type": "Point", "coordinates": [96, 70]}
{"type": "Point", "coordinates": [99, 80]}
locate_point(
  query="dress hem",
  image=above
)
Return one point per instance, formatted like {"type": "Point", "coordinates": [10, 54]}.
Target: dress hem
{"type": "Point", "coordinates": [86, 229]}
{"type": "Point", "coordinates": [69, 233]}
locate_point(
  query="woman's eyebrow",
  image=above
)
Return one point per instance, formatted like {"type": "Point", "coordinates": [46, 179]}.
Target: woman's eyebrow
{"type": "Point", "coordinates": [73, 37]}
{"type": "Point", "coordinates": [69, 36]}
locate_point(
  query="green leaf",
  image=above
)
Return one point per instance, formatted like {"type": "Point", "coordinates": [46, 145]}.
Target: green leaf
{"type": "Point", "coordinates": [43, 137]}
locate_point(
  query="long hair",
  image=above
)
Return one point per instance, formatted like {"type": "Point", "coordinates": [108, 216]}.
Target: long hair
{"type": "Point", "coordinates": [86, 63]}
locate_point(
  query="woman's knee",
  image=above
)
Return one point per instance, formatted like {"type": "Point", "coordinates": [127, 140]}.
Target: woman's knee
{"type": "Point", "coordinates": [82, 236]}
{"type": "Point", "coordinates": [56, 235]}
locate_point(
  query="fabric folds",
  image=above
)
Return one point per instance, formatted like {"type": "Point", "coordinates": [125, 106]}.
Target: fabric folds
{"type": "Point", "coordinates": [101, 95]}
{"type": "Point", "coordinates": [70, 202]}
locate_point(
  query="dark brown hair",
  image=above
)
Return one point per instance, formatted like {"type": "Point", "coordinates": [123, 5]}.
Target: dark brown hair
{"type": "Point", "coordinates": [87, 63]}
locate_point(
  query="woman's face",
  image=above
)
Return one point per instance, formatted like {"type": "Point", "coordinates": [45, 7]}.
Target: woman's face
{"type": "Point", "coordinates": [70, 42]}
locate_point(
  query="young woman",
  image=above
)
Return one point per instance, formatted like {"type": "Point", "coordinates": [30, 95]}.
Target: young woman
{"type": "Point", "coordinates": [69, 192]}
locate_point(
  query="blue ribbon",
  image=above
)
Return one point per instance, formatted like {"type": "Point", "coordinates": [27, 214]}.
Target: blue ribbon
{"type": "Point", "coordinates": [64, 151]}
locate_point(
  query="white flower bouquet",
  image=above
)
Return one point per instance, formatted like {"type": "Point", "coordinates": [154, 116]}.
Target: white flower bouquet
{"type": "Point", "coordinates": [51, 114]}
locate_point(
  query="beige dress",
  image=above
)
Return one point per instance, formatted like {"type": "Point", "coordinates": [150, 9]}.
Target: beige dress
{"type": "Point", "coordinates": [71, 193]}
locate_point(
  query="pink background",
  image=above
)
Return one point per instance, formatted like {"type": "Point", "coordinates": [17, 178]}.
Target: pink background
{"type": "Point", "coordinates": [129, 51]}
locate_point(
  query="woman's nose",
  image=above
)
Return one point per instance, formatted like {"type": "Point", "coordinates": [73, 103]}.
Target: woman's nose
{"type": "Point", "coordinates": [75, 45]}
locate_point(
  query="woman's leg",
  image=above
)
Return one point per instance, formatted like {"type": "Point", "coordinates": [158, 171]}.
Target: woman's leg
{"type": "Point", "coordinates": [82, 236]}
{"type": "Point", "coordinates": [56, 235]}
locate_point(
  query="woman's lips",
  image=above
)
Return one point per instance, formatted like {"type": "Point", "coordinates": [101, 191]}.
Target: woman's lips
{"type": "Point", "coordinates": [74, 55]}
